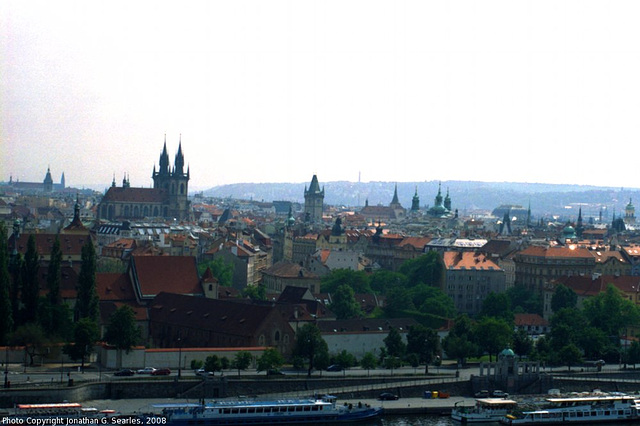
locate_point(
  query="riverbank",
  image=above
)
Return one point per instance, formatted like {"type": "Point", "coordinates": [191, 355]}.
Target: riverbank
{"type": "Point", "coordinates": [402, 406]}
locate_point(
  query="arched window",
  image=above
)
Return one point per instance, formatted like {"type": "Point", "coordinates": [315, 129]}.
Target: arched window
{"type": "Point", "coordinates": [182, 188]}
{"type": "Point", "coordinates": [155, 211]}
{"type": "Point", "coordinates": [146, 211]}
{"type": "Point", "coordinates": [136, 211]}
{"type": "Point", "coordinates": [261, 340]}
{"type": "Point", "coordinates": [276, 336]}
{"type": "Point", "coordinates": [126, 211]}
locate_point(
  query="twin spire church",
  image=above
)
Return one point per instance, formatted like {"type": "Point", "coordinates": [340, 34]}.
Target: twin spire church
{"type": "Point", "coordinates": [167, 199]}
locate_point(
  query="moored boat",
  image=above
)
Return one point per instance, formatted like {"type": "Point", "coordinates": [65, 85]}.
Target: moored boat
{"type": "Point", "coordinates": [266, 412]}
{"type": "Point", "coordinates": [61, 410]}
{"type": "Point", "coordinates": [486, 410]}
{"type": "Point", "coordinates": [583, 410]}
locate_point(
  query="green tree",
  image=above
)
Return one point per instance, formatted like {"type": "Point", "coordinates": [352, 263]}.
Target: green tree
{"type": "Point", "coordinates": [522, 342]}
{"type": "Point", "coordinates": [345, 359]}
{"type": "Point", "coordinates": [497, 305]}
{"type": "Point", "coordinates": [357, 280]}
{"type": "Point", "coordinates": [426, 269]}
{"type": "Point", "coordinates": [383, 280]}
{"type": "Point", "coordinates": [424, 342]}
{"type": "Point", "coordinates": [122, 331]}
{"type": "Point", "coordinates": [566, 325]}
{"type": "Point", "coordinates": [368, 362]}
{"type": "Point", "coordinates": [255, 292]}
{"type": "Point", "coordinates": [310, 345]}
{"type": "Point", "coordinates": [611, 312]}
{"type": "Point", "coordinates": [394, 344]}
{"type": "Point", "coordinates": [633, 354]}
{"type": "Point", "coordinates": [242, 360]}
{"type": "Point", "coordinates": [459, 343]}
{"type": "Point", "coordinates": [87, 304]}
{"type": "Point", "coordinates": [6, 308]}
{"type": "Point", "coordinates": [432, 300]}
{"type": "Point", "coordinates": [593, 342]}
{"type": "Point", "coordinates": [86, 332]}
{"type": "Point", "coordinates": [32, 337]}
{"type": "Point", "coordinates": [523, 300]}
{"type": "Point", "coordinates": [493, 335]}
{"type": "Point", "coordinates": [398, 301]}
{"type": "Point", "coordinates": [344, 303]}
{"type": "Point", "coordinates": [563, 297]}
{"type": "Point", "coordinates": [212, 363]}
{"type": "Point", "coordinates": [54, 276]}
{"type": "Point", "coordinates": [220, 269]}
{"type": "Point", "coordinates": [570, 355]}
{"type": "Point", "coordinates": [270, 359]}
{"type": "Point", "coordinates": [31, 286]}
{"type": "Point", "coordinates": [16, 266]}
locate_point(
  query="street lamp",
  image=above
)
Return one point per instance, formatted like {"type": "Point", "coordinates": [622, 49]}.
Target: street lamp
{"type": "Point", "coordinates": [6, 366]}
{"type": "Point", "coordinates": [179, 357]}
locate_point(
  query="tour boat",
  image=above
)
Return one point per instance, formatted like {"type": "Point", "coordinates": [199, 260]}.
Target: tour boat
{"type": "Point", "coordinates": [266, 412]}
{"type": "Point", "coordinates": [61, 410]}
{"type": "Point", "coordinates": [486, 410]}
{"type": "Point", "coordinates": [583, 409]}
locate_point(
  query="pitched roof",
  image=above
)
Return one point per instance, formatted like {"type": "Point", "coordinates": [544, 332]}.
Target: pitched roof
{"type": "Point", "coordinates": [557, 252]}
{"type": "Point", "coordinates": [155, 274]}
{"type": "Point", "coordinates": [593, 285]}
{"type": "Point", "coordinates": [70, 244]}
{"type": "Point", "coordinates": [135, 195]}
{"type": "Point", "coordinates": [469, 260]}
{"type": "Point", "coordinates": [114, 286]}
{"type": "Point", "coordinates": [285, 269]}
{"type": "Point", "coordinates": [224, 316]}
{"type": "Point", "coordinates": [529, 319]}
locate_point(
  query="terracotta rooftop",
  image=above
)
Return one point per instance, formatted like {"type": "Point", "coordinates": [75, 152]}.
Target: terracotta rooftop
{"type": "Point", "coordinates": [469, 260]}
{"type": "Point", "coordinates": [550, 252]}
{"type": "Point", "coordinates": [155, 274]}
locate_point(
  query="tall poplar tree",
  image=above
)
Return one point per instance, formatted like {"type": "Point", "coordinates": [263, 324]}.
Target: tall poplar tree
{"type": "Point", "coordinates": [87, 303]}
{"type": "Point", "coordinates": [30, 284]}
{"type": "Point", "coordinates": [6, 310]}
{"type": "Point", "coordinates": [54, 275]}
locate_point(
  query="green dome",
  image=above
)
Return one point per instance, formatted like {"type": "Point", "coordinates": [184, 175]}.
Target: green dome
{"type": "Point", "coordinates": [507, 352]}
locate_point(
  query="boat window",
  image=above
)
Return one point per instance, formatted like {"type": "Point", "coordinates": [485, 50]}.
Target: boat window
{"type": "Point", "coordinates": [307, 408]}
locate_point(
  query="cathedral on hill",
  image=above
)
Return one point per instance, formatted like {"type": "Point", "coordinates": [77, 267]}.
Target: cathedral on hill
{"type": "Point", "coordinates": [168, 199]}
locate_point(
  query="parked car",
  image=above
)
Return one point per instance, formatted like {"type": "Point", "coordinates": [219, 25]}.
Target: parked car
{"type": "Point", "coordinates": [334, 367]}
{"type": "Point", "coordinates": [499, 394]}
{"type": "Point", "coordinates": [482, 394]}
{"type": "Point", "coordinates": [146, 370]}
{"type": "Point", "coordinates": [387, 396]}
{"type": "Point", "coordinates": [124, 372]}
{"type": "Point", "coordinates": [204, 373]}
{"type": "Point", "coordinates": [161, 372]}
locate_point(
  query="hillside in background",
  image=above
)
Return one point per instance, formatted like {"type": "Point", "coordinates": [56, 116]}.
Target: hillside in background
{"type": "Point", "coordinates": [467, 197]}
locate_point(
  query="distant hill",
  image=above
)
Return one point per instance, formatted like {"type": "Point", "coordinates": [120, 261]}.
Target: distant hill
{"type": "Point", "coordinates": [467, 197]}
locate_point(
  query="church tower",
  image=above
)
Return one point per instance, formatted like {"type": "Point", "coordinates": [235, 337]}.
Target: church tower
{"type": "Point", "coordinates": [174, 182]}
{"type": "Point", "coordinates": [313, 202]}
{"type": "Point", "coordinates": [415, 202]}
{"type": "Point", "coordinates": [630, 214]}
{"type": "Point", "coordinates": [48, 181]}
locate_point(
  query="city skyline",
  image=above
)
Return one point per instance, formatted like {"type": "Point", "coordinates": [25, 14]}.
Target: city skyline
{"type": "Point", "coordinates": [279, 91]}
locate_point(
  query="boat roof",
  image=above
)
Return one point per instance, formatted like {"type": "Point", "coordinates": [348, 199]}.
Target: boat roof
{"type": "Point", "coordinates": [49, 406]}
{"type": "Point", "coordinates": [593, 398]}
{"type": "Point", "coordinates": [288, 402]}
{"type": "Point", "coordinates": [495, 401]}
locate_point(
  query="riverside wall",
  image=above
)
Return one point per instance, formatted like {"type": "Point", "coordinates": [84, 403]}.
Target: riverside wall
{"type": "Point", "coordinates": [220, 387]}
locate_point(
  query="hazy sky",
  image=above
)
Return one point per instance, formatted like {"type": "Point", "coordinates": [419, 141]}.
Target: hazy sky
{"type": "Point", "coordinates": [275, 91]}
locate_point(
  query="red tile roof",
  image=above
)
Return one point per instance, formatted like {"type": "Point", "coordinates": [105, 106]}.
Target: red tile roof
{"type": "Point", "coordinates": [155, 274]}
{"type": "Point", "coordinates": [567, 251]}
{"type": "Point", "coordinates": [530, 319]}
{"type": "Point", "coordinates": [114, 286]}
{"type": "Point", "coordinates": [469, 260]}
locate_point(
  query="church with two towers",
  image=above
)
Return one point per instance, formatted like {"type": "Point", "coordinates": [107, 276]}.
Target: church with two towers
{"type": "Point", "coordinates": [168, 199]}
